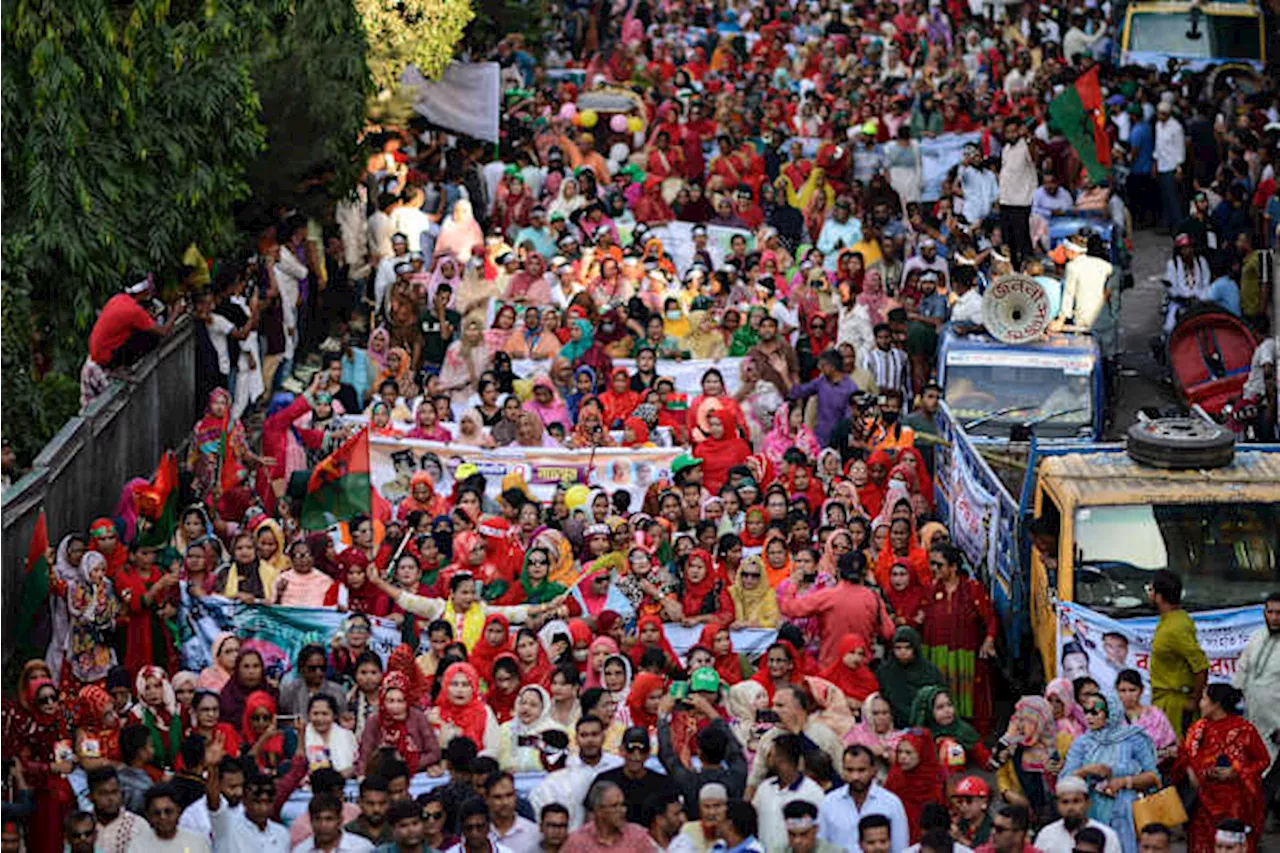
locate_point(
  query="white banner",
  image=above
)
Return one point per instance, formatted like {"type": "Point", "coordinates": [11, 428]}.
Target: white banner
{"type": "Point", "coordinates": [1092, 644]}
{"type": "Point", "coordinates": [467, 99]}
{"type": "Point", "coordinates": [677, 241]}
{"type": "Point", "coordinates": [393, 462]}
{"type": "Point", "coordinates": [974, 513]}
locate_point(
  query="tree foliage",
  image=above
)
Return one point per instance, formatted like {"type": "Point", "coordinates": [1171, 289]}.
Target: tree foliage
{"type": "Point", "coordinates": [134, 129]}
{"type": "Point", "coordinates": [418, 32]}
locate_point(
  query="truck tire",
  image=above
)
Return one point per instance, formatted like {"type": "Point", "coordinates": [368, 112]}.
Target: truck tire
{"type": "Point", "coordinates": [1180, 443]}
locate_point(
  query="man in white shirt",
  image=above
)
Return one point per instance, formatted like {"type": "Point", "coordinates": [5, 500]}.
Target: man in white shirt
{"type": "Point", "coordinates": [967, 310]}
{"type": "Point", "coordinates": [195, 817]}
{"type": "Point", "coordinates": [1170, 153]}
{"type": "Point", "coordinates": [162, 834]}
{"type": "Point", "coordinates": [1073, 807]}
{"type": "Point", "coordinates": [1084, 286]}
{"type": "Point", "coordinates": [978, 186]}
{"type": "Point", "coordinates": [325, 811]}
{"type": "Point", "coordinates": [1017, 186]}
{"type": "Point", "coordinates": [116, 827]}
{"type": "Point", "coordinates": [413, 222]}
{"type": "Point", "coordinates": [250, 830]}
{"type": "Point", "coordinates": [1258, 669]}
{"type": "Point", "coordinates": [380, 228]}
{"type": "Point", "coordinates": [787, 784]}
{"type": "Point", "coordinates": [289, 274]}
{"type": "Point", "coordinates": [518, 834]}
{"type": "Point", "coordinates": [845, 806]}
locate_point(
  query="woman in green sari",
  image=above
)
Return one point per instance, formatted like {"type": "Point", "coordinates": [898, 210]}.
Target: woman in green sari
{"type": "Point", "coordinates": [934, 710]}
{"type": "Point", "coordinates": [747, 335]}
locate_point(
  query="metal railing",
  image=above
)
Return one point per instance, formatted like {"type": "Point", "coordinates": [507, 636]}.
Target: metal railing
{"type": "Point", "coordinates": [78, 475]}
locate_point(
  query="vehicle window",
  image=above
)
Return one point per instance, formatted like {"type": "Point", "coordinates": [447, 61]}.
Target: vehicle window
{"type": "Point", "coordinates": [1226, 554]}
{"type": "Point", "coordinates": [1223, 36]}
{"type": "Point", "coordinates": [1016, 395]}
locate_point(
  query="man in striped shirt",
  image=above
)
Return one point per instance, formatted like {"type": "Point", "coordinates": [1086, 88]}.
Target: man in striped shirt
{"type": "Point", "coordinates": [890, 366]}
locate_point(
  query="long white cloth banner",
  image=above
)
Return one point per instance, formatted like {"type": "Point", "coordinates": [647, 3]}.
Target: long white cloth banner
{"type": "Point", "coordinates": [687, 374]}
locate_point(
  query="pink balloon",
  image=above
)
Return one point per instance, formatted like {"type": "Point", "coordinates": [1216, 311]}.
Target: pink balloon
{"type": "Point", "coordinates": [568, 110]}
{"type": "Point", "coordinates": [618, 124]}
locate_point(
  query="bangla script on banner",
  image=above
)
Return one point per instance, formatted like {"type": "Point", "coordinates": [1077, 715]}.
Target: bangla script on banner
{"type": "Point", "coordinates": [974, 514]}
{"type": "Point", "coordinates": [687, 374]}
{"type": "Point", "coordinates": [1110, 645]}
{"type": "Point", "coordinates": [280, 633]}
{"type": "Point", "coordinates": [394, 461]}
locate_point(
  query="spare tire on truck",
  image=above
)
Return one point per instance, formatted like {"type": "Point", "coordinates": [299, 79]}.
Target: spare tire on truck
{"type": "Point", "coordinates": [1186, 443]}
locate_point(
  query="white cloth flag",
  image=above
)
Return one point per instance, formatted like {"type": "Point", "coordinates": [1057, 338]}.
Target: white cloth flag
{"type": "Point", "coordinates": [466, 99]}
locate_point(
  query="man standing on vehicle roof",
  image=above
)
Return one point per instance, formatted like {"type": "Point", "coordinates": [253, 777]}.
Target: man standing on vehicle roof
{"type": "Point", "coordinates": [1084, 287]}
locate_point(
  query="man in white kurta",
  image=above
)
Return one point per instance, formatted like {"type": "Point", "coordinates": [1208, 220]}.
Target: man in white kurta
{"type": "Point", "coordinates": [1258, 675]}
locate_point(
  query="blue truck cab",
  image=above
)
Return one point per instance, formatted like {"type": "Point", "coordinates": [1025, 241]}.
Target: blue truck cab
{"type": "Point", "coordinates": [1053, 385]}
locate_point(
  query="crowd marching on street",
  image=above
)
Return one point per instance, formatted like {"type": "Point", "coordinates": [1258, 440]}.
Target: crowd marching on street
{"type": "Point", "coordinates": [752, 264]}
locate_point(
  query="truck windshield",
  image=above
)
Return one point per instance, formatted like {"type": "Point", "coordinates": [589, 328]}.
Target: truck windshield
{"type": "Point", "coordinates": [1015, 395]}
{"type": "Point", "coordinates": [1226, 554]}
{"type": "Point", "coordinates": [1222, 36]}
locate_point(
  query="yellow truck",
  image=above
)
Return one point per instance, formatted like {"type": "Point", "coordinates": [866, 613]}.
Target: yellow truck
{"type": "Point", "coordinates": [1067, 539]}
{"type": "Point", "coordinates": [1196, 35]}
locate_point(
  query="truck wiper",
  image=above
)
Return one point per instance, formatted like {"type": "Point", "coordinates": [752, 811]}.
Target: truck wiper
{"type": "Point", "coordinates": [1056, 414]}
{"type": "Point", "coordinates": [976, 422]}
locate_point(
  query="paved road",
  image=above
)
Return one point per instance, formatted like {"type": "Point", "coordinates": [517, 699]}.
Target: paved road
{"type": "Point", "coordinates": [1142, 380]}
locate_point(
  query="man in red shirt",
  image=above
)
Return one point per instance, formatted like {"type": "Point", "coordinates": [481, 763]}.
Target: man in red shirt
{"type": "Point", "coordinates": [125, 331]}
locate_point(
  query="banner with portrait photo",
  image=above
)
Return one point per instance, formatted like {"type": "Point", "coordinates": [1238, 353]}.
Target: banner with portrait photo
{"type": "Point", "coordinates": [1098, 646]}
{"type": "Point", "coordinates": [393, 462]}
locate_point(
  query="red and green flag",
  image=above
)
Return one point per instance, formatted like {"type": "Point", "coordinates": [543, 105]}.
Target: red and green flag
{"type": "Point", "coordinates": [35, 583]}
{"type": "Point", "coordinates": [1079, 114]}
{"type": "Point", "coordinates": [157, 503]}
{"type": "Point", "coordinates": [339, 486]}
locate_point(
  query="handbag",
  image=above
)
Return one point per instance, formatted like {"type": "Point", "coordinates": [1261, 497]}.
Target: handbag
{"type": "Point", "coordinates": [1164, 806]}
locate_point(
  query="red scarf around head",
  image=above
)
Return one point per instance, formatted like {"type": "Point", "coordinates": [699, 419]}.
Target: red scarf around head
{"type": "Point", "coordinates": [503, 704]}
{"type": "Point", "coordinates": [639, 648]}
{"type": "Point", "coordinates": [855, 683]}
{"type": "Point", "coordinates": [728, 665]}
{"type": "Point", "coordinates": [923, 784]}
{"type": "Point", "coordinates": [482, 657]}
{"type": "Point", "coordinates": [641, 686]}
{"type": "Point", "coordinates": [470, 717]}
{"type": "Point", "coordinates": [396, 731]}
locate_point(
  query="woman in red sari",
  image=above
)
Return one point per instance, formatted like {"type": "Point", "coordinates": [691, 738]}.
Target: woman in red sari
{"type": "Point", "coordinates": [960, 635]}
{"type": "Point", "coordinates": [902, 547]}
{"type": "Point", "coordinates": [916, 776]}
{"type": "Point", "coordinates": [140, 585]}
{"type": "Point", "coordinates": [619, 401]}
{"type": "Point", "coordinates": [704, 594]}
{"type": "Point", "coordinates": [1224, 757]}
{"type": "Point", "coordinates": [717, 638]}
{"type": "Point", "coordinates": [721, 450]}
{"type": "Point", "coordinates": [535, 665]}
{"type": "Point", "coordinates": [43, 746]}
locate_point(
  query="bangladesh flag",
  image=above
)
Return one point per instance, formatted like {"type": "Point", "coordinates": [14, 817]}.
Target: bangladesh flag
{"type": "Point", "coordinates": [1078, 113]}
{"type": "Point", "coordinates": [157, 504]}
{"type": "Point", "coordinates": [35, 586]}
{"type": "Point", "coordinates": [339, 486]}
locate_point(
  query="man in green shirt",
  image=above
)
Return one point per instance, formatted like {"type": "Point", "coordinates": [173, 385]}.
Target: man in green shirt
{"type": "Point", "coordinates": [1179, 667]}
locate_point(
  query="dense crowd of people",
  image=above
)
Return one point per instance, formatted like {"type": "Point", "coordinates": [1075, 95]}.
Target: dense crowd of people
{"type": "Point", "coordinates": [780, 144]}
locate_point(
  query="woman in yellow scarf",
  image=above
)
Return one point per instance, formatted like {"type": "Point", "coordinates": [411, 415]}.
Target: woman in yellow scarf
{"type": "Point", "coordinates": [755, 605]}
{"type": "Point", "coordinates": [706, 340]}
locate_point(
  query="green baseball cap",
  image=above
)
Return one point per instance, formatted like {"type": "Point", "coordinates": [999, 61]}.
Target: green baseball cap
{"type": "Point", "coordinates": [704, 680]}
{"type": "Point", "coordinates": [683, 461]}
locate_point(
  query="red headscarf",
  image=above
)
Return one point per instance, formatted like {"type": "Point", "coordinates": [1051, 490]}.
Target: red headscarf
{"type": "Point", "coordinates": [503, 704]}
{"type": "Point", "coordinates": [641, 686]}
{"type": "Point", "coordinates": [712, 587]}
{"type": "Point", "coordinates": [618, 406]}
{"type": "Point", "coordinates": [871, 495]}
{"type": "Point", "coordinates": [540, 672]}
{"type": "Point", "coordinates": [763, 677]}
{"type": "Point", "coordinates": [396, 731]}
{"type": "Point", "coordinates": [641, 430]}
{"type": "Point", "coordinates": [718, 455]}
{"type": "Point", "coordinates": [923, 784]}
{"type": "Point", "coordinates": [856, 683]}
{"type": "Point", "coordinates": [728, 665]}
{"type": "Point", "coordinates": [916, 559]}
{"type": "Point", "coordinates": [260, 699]}
{"type": "Point", "coordinates": [663, 643]}
{"type": "Point", "coordinates": [471, 716]}
{"type": "Point", "coordinates": [907, 602]}
{"type": "Point", "coordinates": [483, 654]}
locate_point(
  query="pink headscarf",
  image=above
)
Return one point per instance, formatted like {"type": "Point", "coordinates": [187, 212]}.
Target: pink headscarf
{"type": "Point", "coordinates": [873, 296]}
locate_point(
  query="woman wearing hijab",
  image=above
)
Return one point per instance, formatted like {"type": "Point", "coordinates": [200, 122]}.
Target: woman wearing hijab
{"type": "Point", "coordinates": [642, 701]}
{"type": "Point", "coordinates": [1027, 747]}
{"type": "Point", "coordinates": [97, 741]}
{"type": "Point", "coordinates": [789, 430]}
{"type": "Point", "coordinates": [902, 548]}
{"type": "Point", "coordinates": [520, 738]}
{"type": "Point", "coordinates": [547, 404]}
{"type": "Point", "coordinates": [259, 738]}
{"type": "Point", "coordinates": [719, 640]}
{"type": "Point", "coordinates": [934, 710]}
{"type": "Point", "coordinates": [226, 649]}
{"type": "Point", "coordinates": [849, 670]}
{"type": "Point", "coordinates": [1119, 758]}
{"type": "Point", "coordinates": [464, 361]}
{"type": "Point", "coordinates": [906, 596]}
{"type": "Point", "coordinates": [704, 595]}
{"type": "Point", "coordinates": [399, 369]}
{"type": "Point", "coordinates": [34, 741]}
{"type": "Point", "coordinates": [208, 446]}
{"type": "Point", "coordinates": [782, 665]}
{"type": "Point", "coordinates": [905, 673]}
{"type": "Point", "coordinates": [876, 730]}
{"type": "Point", "coordinates": [721, 450]}
{"type": "Point", "coordinates": [461, 711]}
{"type": "Point", "coordinates": [401, 725]}
{"type": "Point", "coordinates": [93, 609]}
{"type": "Point", "coordinates": [755, 605]}
{"type": "Point", "coordinates": [495, 640]}
{"type": "Point", "coordinates": [66, 572]}
{"type": "Point", "coordinates": [916, 777]}
{"type": "Point", "coordinates": [460, 233]}
{"type": "Point", "coordinates": [651, 634]}
{"type": "Point", "coordinates": [618, 400]}
{"type": "Point", "coordinates": [1067, 713]}
{"type": "Point", "coordinates": [249, 677]}
{"type": "Point", "coordinates": [157, 709]}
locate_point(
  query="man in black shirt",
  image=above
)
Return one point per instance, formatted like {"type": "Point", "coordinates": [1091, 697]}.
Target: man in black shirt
{"type": "Point", "coordinates": [638, 783]}
{"type": "Point", "coordinates": [439, 324]}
